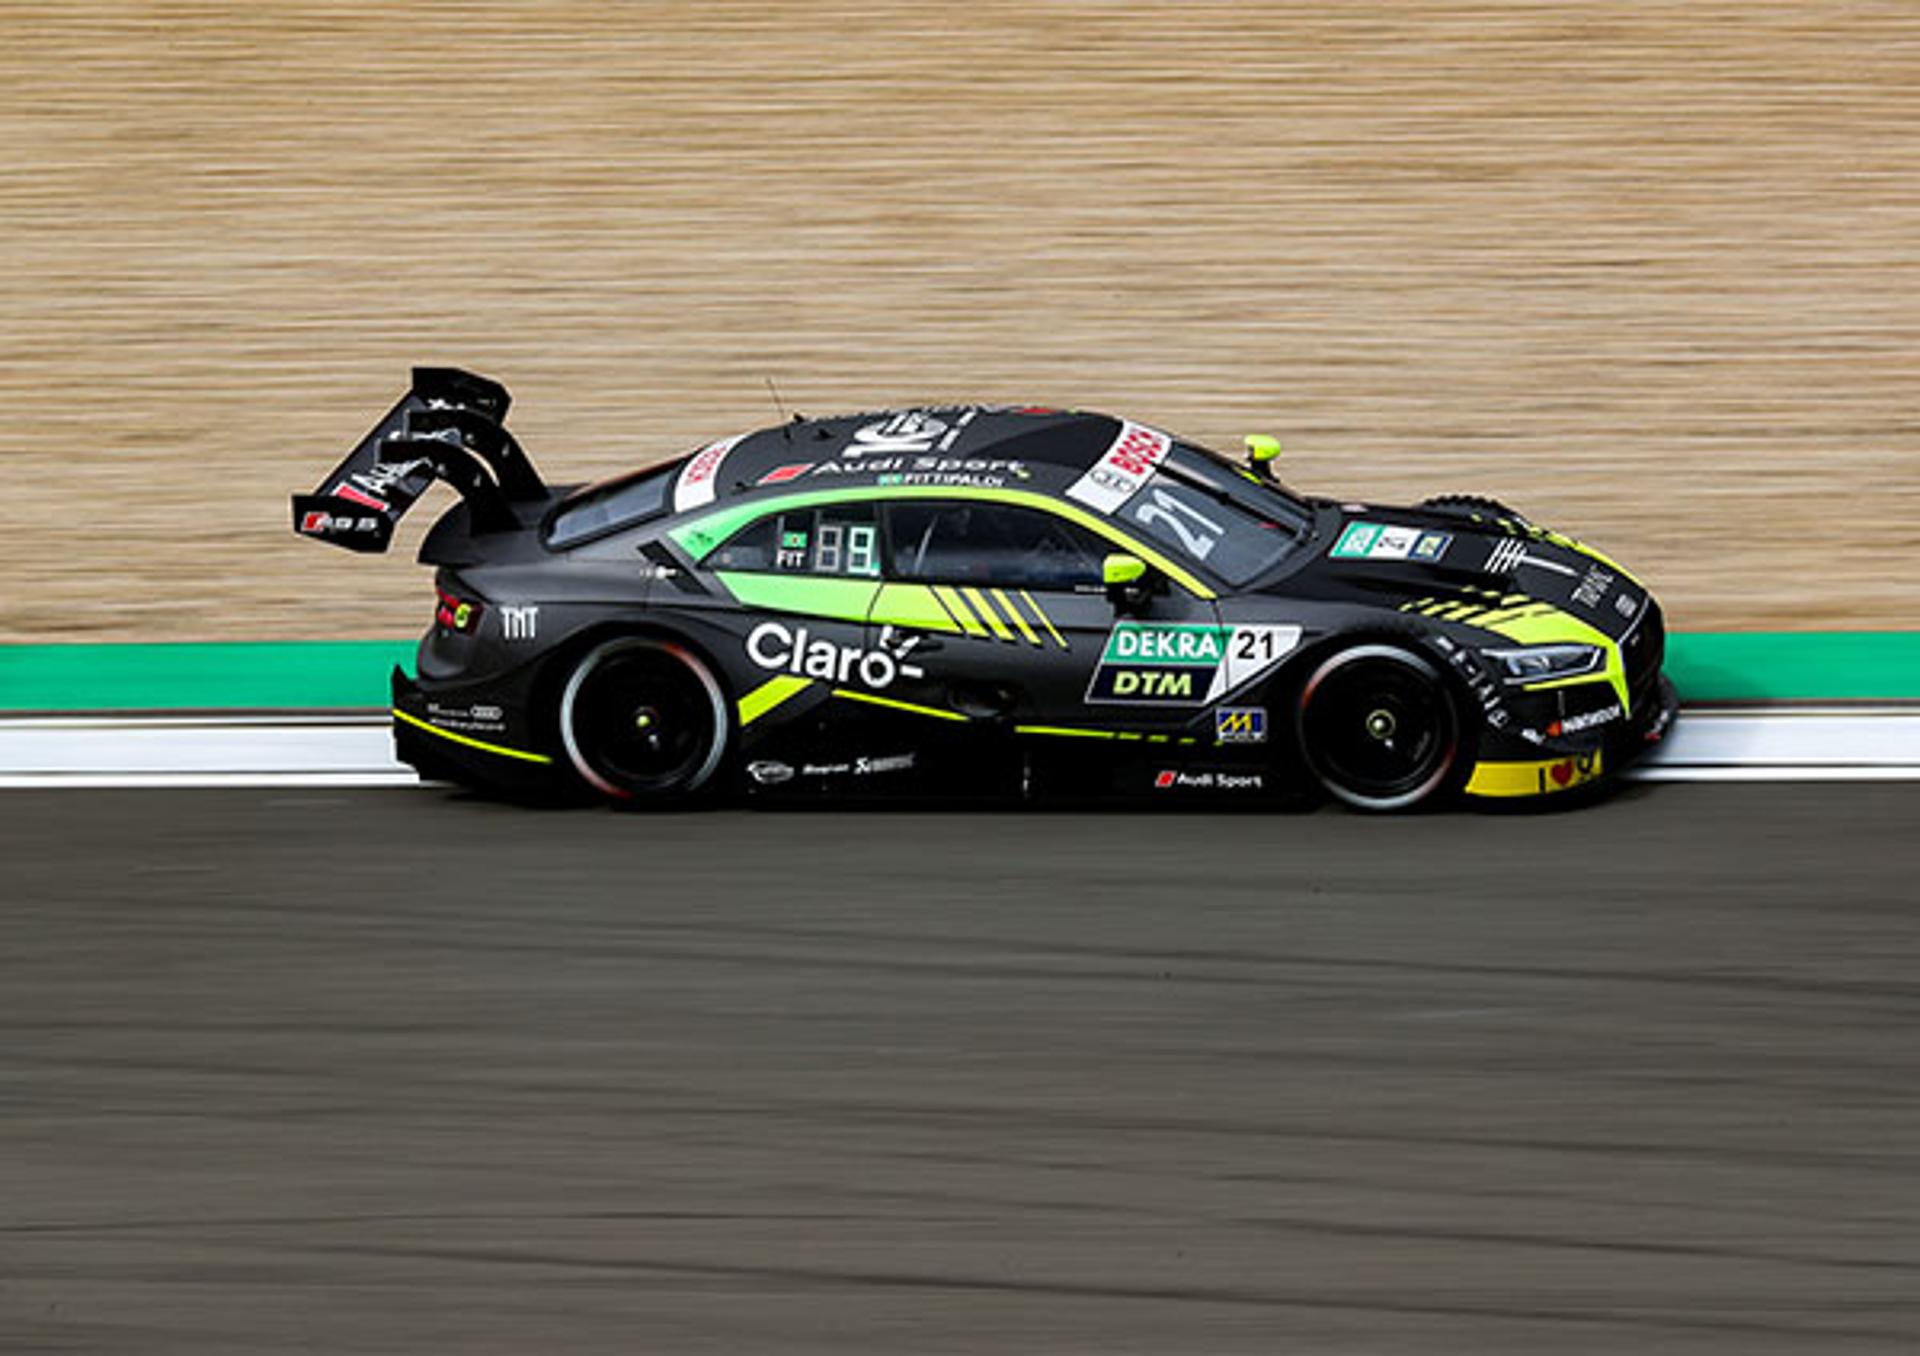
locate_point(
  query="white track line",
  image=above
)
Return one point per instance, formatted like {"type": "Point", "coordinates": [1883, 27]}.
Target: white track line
{"type": "Point", "coordinates": [349, 750]}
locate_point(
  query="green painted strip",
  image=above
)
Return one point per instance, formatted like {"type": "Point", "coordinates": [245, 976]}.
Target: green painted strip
{"type": "Point", "coordinates": [702, 535]}
{"type": "Point", "coordinates": [1733, 666]}
{"type": "Point", "coordinates": [769, 695]}
{"type": "Point", "coordinates": [809, 595]}
{"type": "Point", "coordinates": [1759, 666]}
{"type": "Point", "coordinates": [262, 675]}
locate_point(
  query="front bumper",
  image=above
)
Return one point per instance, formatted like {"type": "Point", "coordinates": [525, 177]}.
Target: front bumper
{"type": "Point", "coordinates": [1531, 761]}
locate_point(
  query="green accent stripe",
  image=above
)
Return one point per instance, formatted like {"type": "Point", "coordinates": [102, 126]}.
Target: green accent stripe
{"type": "Point", "coordinates": [1008, 606]}
{"type": "Point", "coordinates": [703, 534]}
{"type": "Point", "coordinates": [979, 603]}
{"type": "Point", "coordinates": [913, 606]}
{"type": "Point", "coordinates": [1730, 666]}
{"type": "Point", "coordinates": [1064, 732]}
{"type": "Point", "coordinates": [958, 607]}
{"type": "Point", "coordinates": [1045, 620]}
{"type": "Point", "coordinates": [769, 695]}
{"type": "Point", "coordinates": [808, 595]}
{"type": "Point", "coordinates": [914, 708]}
{"type": "Point", "coordinates": [469, 741]}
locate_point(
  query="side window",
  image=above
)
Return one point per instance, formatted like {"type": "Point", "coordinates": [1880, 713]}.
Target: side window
{"type": "Point", "coordinates": [840, 539]}
{"type": "Point", "coordinates": [997, 544]}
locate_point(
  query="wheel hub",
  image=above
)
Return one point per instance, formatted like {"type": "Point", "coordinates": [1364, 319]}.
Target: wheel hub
{"type": "Point", "coordinates": [1381, 724]}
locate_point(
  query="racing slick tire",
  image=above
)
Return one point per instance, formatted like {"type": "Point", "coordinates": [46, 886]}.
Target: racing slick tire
{"type": "Point", "coordinates": [1380, 728]}
{"type": "Point", "coordinates": [644, 721]}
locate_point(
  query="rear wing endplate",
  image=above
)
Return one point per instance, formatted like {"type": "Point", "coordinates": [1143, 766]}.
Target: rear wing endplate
{"type": "Point", "coordinates": [447, 427]}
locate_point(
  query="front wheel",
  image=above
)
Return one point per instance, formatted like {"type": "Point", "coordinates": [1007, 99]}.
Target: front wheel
{"type": "Point", "coordinates": [1379, 727]}
{"type": "Point", "coordinates": [644, 721]}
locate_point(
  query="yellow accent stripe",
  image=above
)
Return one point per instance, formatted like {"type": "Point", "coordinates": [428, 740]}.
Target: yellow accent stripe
{"type": "Point", "coordinates": [1041, 613]}
{"type": "Point", "coordinates": [470, 742]}
{"type": "Point", "coordinates": [916, 709]}
{"type": "Point", "coordinates": [769, 695]}
{"type": "Point", "coordinates": [986, 609]}
{"type": "Point", "coordinates": [1501, 616]}
{"type": "Point", "coordinates": [958, 606]}
{"type": "Point", "coordinates": [1006, 606]}
{"type": "Point", "coordinates": [1064, 732]}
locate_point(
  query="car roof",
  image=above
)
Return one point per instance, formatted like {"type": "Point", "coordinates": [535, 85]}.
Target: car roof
{"type": "Point", "coordinates": [967, 443]}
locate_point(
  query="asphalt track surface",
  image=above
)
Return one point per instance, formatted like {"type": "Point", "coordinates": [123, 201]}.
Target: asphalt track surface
{"type": "Point", "coordinates": [403, 1071]}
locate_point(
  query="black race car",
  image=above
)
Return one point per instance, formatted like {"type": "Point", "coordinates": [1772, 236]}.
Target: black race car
{"type": "Point", "coordinates": [962, 600]}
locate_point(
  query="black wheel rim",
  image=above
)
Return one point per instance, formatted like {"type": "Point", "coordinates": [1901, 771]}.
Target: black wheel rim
{"type": "Point", "coordinates": [1381, 729]}
{"type": "Point", "coordinates": [644, 720]}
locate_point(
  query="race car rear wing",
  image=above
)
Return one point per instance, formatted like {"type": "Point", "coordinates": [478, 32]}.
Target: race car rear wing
{"type": "Point", "coordinates": [448, 427]}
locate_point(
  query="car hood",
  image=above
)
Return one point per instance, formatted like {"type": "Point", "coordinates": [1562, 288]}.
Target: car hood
{"type": "Point", "coordinates": [1457, 567]}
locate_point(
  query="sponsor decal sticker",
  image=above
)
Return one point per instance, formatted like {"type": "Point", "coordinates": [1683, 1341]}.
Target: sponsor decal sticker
{"type": "Point", "coordinates": [368, 488]}
{"type": "Point", "coordinates": [317, 521]}
{"type": "Point", "coordinates": [1240, 725]}
{"type": "Point", "coordinates": [700, 476]}
{"type": "Point", "coordinates": [1123, 469]}
{"type": "Point", "coordinates": [1568, 773]}
{"type": "Point", "coordinates": [1534, 779]}
{"type": "Point", "coordinates": [1590, 590]}
{"type": "Point", "coordinates": [520, 623]}
{"type": "Point", "coordinates": [861, 767]}
{"type": "Point", "coordinates": [908, 431]}
{"type": "Point", "coordinates": [780, 475]}
{"type": "Point", "coordinates": [988, 472]}
{"type": "Point", "coordinates": [476, 719]}
{"type": "Point", "coordinates": [1182, 664]}
{"type": "Point", "coordinates": [1356, 541]}
{"type": "Point", "coordinates": [1175, 780]}
{"type": "Point", "coordinates": [796, 650]}
{"type": "Point", "coordinates": [769, 773]}
{"type": "Point", "coordinates": [1588, 720]}
{"type": "Point", "coordinates": [1382, 541]}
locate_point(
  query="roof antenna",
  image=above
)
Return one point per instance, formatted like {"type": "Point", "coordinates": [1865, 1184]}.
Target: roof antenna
{"type": "Point", "coordinates": [778, 407]}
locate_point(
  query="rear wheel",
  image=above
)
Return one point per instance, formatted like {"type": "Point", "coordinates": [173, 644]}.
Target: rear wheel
{"type": "Point", "coordinates": [644, 721]}
{"type": "Point", "coordinates": [1379, 727]}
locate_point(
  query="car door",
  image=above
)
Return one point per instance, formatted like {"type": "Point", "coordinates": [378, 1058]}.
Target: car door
{"type": "Point", "coordinates": [1020, 630]}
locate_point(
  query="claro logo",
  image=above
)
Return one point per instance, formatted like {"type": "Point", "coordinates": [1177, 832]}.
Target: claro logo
{"type": "Point", "coordinates": [798, 651]}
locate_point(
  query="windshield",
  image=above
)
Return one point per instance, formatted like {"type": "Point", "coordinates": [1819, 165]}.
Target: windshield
{"type": "Point", "coordinates": [1210, 511]}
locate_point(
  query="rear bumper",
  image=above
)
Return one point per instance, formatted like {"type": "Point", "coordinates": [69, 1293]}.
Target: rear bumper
{"type": "Point", "coordinates": [459, 736]}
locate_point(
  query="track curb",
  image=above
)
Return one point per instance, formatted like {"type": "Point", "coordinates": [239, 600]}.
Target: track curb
{"type": "Point", "coordinates": [1818, 742]}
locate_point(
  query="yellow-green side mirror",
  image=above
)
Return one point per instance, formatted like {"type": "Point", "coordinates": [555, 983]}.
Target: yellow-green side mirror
{"type": "Point", "coordinates": [1262, 448]}
{"type": "Point", "coordinates": [1130, 584]}
{"type": "Point", "coordinates": [1120, 570]}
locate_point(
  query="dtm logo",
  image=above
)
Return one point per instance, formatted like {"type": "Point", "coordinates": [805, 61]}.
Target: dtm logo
{"type": "Point", "coordinates": [797, 650]}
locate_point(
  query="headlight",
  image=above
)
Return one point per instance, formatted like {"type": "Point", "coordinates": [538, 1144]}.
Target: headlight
{"type": "Point", "coordinates": [1543, 663]}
